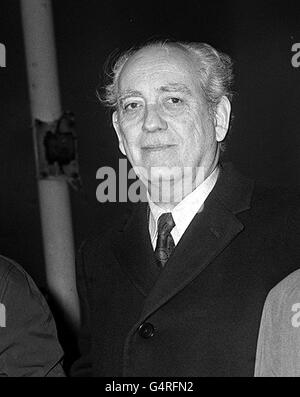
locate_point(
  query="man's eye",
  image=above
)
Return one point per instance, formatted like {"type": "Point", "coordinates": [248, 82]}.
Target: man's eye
{"type": "Point", "coordinates": [174, 101]}
{"type": "Point", "coordinates": [131, 106]}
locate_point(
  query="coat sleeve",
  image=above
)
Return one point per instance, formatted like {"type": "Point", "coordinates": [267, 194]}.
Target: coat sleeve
{"type": "Point", "coordinates": [28, 339]}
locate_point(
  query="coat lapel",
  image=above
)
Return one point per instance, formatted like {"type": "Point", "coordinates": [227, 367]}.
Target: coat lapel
{"type": "Point", "coordinates": [209, 233]}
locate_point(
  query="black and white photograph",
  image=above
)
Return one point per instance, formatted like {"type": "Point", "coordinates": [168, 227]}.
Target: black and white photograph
{"type": "Point", "coordinates": [150, 200]}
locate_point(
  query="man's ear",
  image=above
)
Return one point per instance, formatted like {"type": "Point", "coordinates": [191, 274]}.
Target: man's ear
{"type": "Point", "coordinates": [118, 131]}
{"type": "Point", "coordinates": [222, 118]}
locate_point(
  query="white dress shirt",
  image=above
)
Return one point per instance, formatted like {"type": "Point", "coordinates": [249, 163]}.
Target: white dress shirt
{"type": "Point", "coordinates": [184, 211]}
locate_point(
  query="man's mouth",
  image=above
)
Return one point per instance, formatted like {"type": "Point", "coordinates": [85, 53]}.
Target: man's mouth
{"type": "Point", "coordinates": [155, 148]}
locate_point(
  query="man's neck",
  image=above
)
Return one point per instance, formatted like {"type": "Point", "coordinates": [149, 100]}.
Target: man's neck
{"type": "Point", "coordinates": [179, 190]}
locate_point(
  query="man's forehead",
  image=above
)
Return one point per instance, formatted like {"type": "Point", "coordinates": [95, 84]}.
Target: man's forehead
{"type": "Point", "coordinates": [158, 60]}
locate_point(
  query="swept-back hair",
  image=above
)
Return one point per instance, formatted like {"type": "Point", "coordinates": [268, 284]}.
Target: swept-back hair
{"type": "Point", "coordinates": [214, 71]}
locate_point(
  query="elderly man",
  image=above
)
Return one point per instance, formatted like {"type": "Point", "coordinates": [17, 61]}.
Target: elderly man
{"type": "Point", "coordinates": [177, 287]}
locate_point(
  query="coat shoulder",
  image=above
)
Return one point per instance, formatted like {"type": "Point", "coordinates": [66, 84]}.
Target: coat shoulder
{"type": "Point", "coordinates": [276, 198]}
{"type": "Point", "coordinates": [276, 205]}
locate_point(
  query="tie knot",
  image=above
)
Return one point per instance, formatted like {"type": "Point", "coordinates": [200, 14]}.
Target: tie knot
{"type": "Point", "coordinates": [165, 223]}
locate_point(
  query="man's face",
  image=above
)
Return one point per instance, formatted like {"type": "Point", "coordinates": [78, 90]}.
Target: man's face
{"type": "Point", "coordinates": [162, 121]}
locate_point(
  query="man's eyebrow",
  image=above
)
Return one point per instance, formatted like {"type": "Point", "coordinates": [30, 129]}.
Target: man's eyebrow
{"type": "Point", "coordinates": [175, 87]}
{"type": "Point", "coordinates": [128, 93]}
{"type": "Point", "coordinates": [170, 87]}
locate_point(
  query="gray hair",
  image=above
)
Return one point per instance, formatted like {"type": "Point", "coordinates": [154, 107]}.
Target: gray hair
{"type": "Point", "coordinates": [214, 67]}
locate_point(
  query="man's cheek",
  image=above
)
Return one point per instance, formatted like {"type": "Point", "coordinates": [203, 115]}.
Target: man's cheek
{"type": "Point", "coordinates": [130, 135]}
{"type": "Point", "coordinates": [182, 124]}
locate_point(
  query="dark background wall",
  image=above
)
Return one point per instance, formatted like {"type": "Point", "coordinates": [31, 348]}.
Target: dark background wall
{"type": "Point", "coordinates": [264, 141]}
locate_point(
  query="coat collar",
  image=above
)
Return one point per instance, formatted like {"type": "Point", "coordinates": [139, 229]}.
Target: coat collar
{"type": "Point", "coordinates": [208, 234]}
{"type": "Point", "coordinates": [233, 189]}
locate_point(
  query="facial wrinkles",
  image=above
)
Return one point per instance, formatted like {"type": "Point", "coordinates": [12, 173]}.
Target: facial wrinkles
{"type": "Point", "coordinates": [159, 100]}
{"type": "Point", "coordinates": [145, 75]}
{"type": "Point", "coordinates": [139, 68]}
{"type": "Point", "coordinates": [140, 74]}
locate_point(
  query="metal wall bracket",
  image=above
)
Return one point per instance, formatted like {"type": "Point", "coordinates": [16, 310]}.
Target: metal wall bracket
{"type": "Point", "coordinates": [56, 150]}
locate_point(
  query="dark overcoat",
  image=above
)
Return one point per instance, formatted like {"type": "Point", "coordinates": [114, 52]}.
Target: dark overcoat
{"type": "Point", "coordinates": [200, 315]}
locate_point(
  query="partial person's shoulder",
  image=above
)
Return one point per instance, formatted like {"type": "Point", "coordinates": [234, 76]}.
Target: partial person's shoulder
{"type": "Point", "coordinates": [14, 280]}
{"type": "Point", "coordinates": [283, 302]}
{"type": "Point", "coordinates": [29, 344]}
{"type": "Point", "coordinates": [286, 292]}
{"type": "Point", "coordinates": [11, 271]}
{"type": "Point", "coordinates": [278, 348]}
{"type": "Point", "coordinates": [7, 266]}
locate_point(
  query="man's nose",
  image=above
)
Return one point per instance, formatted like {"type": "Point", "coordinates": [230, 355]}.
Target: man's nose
{"type": "Point", "coordinates": [153, 121]}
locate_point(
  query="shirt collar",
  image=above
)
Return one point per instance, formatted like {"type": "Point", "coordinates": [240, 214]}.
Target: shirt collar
{"type": "Point", "coordinates": [184, 211]}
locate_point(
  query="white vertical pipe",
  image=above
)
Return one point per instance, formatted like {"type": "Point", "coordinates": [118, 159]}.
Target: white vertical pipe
{"type": "Point", "coordinates": [53, 194]}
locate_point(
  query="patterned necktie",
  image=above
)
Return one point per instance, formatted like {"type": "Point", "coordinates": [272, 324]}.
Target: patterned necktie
{"type": "Point", "coordinates": [165, 243]}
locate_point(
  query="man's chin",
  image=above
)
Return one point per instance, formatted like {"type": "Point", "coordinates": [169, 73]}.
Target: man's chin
{"type": "Point", "coordinates": [167, 174]}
